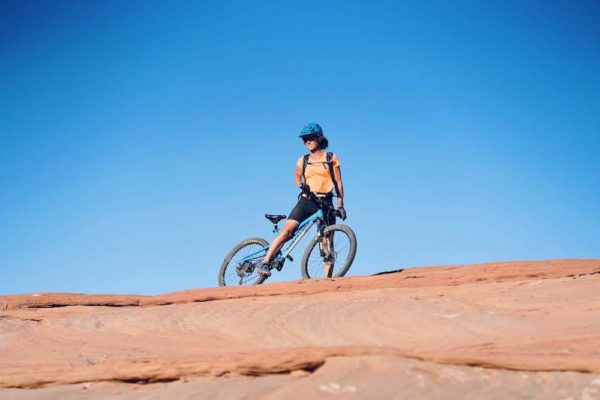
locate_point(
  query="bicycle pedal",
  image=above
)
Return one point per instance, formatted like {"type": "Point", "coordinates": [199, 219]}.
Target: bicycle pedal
{"type": "Point", "coordinates": [278, 265]}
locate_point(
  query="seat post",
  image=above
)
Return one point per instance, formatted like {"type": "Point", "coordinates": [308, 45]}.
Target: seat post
{"type": "Point", "coordinates": [275, 228]}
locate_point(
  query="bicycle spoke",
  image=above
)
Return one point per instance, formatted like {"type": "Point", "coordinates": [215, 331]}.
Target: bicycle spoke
{"type": "Point", "coordinates": [234, 276]}
{"type": "Point", "coordinates": [320, 259]}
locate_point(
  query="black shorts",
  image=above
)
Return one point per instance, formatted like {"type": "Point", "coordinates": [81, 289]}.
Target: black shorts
{"type": "Point", "coordinates": [307, 207]}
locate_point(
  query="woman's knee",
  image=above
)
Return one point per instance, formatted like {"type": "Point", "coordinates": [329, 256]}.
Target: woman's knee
{"type": "Point", "coordinates": [288, 230]}
{"type": "Point", "coordinates": [287, 233]}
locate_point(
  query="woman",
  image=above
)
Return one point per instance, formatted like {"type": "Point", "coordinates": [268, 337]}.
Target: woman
{"type": "Point", "coordinates": [318, 180]}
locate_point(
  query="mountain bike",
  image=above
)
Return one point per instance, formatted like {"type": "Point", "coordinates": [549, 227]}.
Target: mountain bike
{"type": "Point", "coordinates": [330, 252]}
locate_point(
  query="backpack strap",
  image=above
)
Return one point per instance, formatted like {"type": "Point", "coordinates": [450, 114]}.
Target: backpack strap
{"type": "Point", "coordinates": [329, 165]}
{"type": "Point", "coordinates": [304, 164]}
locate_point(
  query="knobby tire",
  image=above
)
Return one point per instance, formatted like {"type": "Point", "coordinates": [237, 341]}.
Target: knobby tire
{"type": "Point", "coordinates": [309, 273]}
{"type": "Point", "coordinates": [227, 268]}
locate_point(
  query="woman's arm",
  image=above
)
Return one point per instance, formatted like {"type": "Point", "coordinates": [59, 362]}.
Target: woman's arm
{"type": "Point", "coordinates": [337, 172]}
{"type": "Point", "coordinates": [298, 175]}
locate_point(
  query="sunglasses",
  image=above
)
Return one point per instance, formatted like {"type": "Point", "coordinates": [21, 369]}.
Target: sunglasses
{"type": "Point", "coordinates": [309, 139]}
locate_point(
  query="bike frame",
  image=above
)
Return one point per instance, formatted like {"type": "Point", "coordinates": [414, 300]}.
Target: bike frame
{"type": "Point", "coordinates": [301, 231]}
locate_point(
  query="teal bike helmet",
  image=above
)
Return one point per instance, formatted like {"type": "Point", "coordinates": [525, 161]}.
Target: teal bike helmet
{"type": "Point", "coordinates": [312, 129]}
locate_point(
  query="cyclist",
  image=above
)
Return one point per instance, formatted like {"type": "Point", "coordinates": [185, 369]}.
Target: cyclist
{"type": "Point", "coordinates": [318, 180]}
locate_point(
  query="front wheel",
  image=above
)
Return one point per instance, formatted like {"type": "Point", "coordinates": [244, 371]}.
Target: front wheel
{"type": "Point", "coordinates": [329, 255]}
{"type": "Point", "coordinates": [239, 265]}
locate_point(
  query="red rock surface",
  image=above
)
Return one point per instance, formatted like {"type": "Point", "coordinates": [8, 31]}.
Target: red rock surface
{"type": "Point", "coordinates": [513, 316]}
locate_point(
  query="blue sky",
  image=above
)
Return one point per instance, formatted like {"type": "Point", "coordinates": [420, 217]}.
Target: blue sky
{"type": "Point", "coordinates": [141, 140]}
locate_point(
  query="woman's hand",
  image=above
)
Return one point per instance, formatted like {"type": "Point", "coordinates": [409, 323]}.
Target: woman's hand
{"type": "Point", "coordinates": [340, 212]}
{"type": "Point", "coordinates": [304, 187]}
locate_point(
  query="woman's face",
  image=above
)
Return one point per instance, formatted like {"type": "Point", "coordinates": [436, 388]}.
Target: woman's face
{"type": "Point", "coordinates": [311, 143]}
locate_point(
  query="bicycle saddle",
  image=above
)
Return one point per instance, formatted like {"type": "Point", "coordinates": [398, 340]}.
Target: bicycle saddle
{"type": "Point", "coordinates": [275, 218]}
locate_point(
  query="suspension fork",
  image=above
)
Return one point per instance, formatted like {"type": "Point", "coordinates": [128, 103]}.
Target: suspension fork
{"type": "Point", "coordinates": [324, 237]}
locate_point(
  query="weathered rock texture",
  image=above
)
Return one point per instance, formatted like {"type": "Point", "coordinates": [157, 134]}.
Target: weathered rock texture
{"type": "Point", "coordinates": [541, 319]}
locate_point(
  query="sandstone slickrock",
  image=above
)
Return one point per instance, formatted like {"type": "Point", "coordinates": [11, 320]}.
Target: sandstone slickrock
{"type": "Point", "coordinates": [537, 318]}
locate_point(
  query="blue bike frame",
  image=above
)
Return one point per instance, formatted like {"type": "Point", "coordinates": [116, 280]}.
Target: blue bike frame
{"type": "Point", "coordinates": [302, 230]}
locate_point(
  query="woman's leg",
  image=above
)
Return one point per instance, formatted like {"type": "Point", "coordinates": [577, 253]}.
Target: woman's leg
{"type": "Point", "coordinates": [286, 232]}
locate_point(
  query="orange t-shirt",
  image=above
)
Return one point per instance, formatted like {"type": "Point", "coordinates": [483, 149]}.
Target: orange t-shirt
{"type": "Point", "coordinates": [317, 173]}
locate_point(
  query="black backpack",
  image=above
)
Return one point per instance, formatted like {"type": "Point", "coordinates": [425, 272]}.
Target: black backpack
{"type": "Point", "coordinates": [329, 164]}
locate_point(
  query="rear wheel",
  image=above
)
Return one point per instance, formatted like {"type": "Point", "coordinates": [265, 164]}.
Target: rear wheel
{"type": "Point", "coordinates": [331, 255]}
{"type": "Point", "coordinates": [238, 268]}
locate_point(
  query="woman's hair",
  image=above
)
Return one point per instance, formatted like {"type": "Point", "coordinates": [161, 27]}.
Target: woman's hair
{"type": "Point", "coordinates": [323, 143]}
